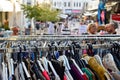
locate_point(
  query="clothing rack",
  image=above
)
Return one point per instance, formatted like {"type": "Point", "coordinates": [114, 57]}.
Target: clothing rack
{"type": "Point", "coordinates": [95, 46]}
{"type": "Point", "coordinates": [61, 37]}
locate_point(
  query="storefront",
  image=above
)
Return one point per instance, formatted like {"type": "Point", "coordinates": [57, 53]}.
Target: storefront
{"type": "Point", "coordinates": [5, 8]}
{"type": "Point", "coordinates": [8, 11]}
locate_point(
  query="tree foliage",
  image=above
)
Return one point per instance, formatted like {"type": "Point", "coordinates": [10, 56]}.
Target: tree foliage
{"type": "Point", "coordinates": [42, 12]}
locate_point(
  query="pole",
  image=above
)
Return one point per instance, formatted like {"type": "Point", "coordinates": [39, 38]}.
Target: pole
{"type": "Point", "coordinates": [14, 14]}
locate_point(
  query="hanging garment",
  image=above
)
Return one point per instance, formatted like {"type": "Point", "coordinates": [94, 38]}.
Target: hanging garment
{"type": "Point", "coordinates": [101, 7]}
{"type": "Point", "coordinates": [97, 57]}
{"type": "Point", "coordinates": [75, 72]}
{"type": "Point", "coordinates": [53, 70]}
{"type": "Point", "coordinates": [95, 66]}
{"type": "Point", "coordinates": [102, 15]}
{"type": "Point", "coordinates": [16, 73]}
{"type": "Point", "coordinates": [4, 72]}
{"type": "Point", "coordinates": [77, 66]}
{"type": "Point", "coordinates": [1, 76]}
{"type": "Point", "coordinates": [37, 72]}
{"type": "Point", "coordinates": [45, 74]}
{"type": "Point", "coordinates": [59, 68]}
{"type": "Point", "coordinates": [116, 75]}
{"type": "Point", "coordinates": [21, 72]}
{"type": "Point", "coordinates": [25, 70]}
{"type": "Point", "coordinates": [92, 72]}
{"type": "Point", "coordinates": [89, 74]}
{"type": "Point", "coordinates": [66, 64]}
{"type": "Point", "coordinates": [109, 63]}
{"type": "Point", "coordinates": [1, 60]}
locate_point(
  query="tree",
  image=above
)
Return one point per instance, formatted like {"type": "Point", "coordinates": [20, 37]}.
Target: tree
{"type": "Point", "coordinates": [41, 12]}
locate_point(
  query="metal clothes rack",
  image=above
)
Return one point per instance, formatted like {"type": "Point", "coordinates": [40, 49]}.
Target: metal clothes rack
{"type": "Point", "coordinates": [96, 46]}
{"type": "Point", "coordinates": [61, 37]}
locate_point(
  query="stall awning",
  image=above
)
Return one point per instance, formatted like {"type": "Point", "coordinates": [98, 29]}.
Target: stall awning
{"type": "Point", "coordinates": [6, 6]}
{"type": "Point", "coordinates": [63, 16]}
{"type": "Point", "coordinates": [87, 14]}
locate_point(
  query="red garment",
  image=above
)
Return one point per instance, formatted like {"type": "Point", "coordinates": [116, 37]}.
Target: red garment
{"type": "Point", "coordinates": [45, 74]}
{"type": "Point", "coordinates": [65, 78]}
{"type": "Point", "coordinates": [85, 77]}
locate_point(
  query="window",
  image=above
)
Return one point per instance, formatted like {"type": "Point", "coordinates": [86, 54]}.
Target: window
{"type": "Point", "coordinates": [54, 3]}
{"type": "Point", "coordinates": [74, 4]}
{"type": "Point", "coordinates": [65, 4]}
{"type": "Point", "coordinates": [79, 4]}
{"type": "Point", "coordinates": [68, 4]}
{"type": "Point", "coordinates": [28, 2]}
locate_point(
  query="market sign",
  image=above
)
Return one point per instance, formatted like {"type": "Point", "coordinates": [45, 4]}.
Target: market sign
{"type": "Point", "coordinates": [75, 11]}
{"type": "Point", "coordinates": [116, 17]}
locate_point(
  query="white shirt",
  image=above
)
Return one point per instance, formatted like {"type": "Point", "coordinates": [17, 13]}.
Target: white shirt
{"type": "Point", "coordinates": [51, 28]}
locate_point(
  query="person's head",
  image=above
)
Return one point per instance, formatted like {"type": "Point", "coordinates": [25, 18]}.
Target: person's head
{"type": "Point", "coordinates": [110, 28]}
{"type": "Point", "coordinates": [92, 29]}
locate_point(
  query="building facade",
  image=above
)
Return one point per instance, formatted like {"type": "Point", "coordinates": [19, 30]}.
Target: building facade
{"type": "Point", "coordinates": [69, 6]}
{"type": "Point", "coordinates": [91, 6]}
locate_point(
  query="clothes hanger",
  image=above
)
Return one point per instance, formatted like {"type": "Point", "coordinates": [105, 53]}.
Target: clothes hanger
{"type": "Point", "coordinates": [36, 53]}
{"type": "Point", "coordinates": [23, 64]}
{"type": "Point", "coordinates": [53, 70]}
{"type": "Point", "coordinates": [20, 54]}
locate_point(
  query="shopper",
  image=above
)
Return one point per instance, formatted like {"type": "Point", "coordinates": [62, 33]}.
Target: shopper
{"type": "Point", "coordinates": [110, 28]}
{"type": "Point", "coordinates": [92, 29]}
{"type": "Point", "coordinates": [51, 28]}
{"type": "Point", "coordinates": [59, 27]}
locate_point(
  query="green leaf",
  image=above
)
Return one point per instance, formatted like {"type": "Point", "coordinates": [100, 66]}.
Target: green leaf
{"type": "Point", "coordinates": [42, 12]}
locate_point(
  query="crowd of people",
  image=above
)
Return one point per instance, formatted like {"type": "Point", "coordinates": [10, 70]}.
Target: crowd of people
{"type": "Point", "coordinates": [61, 28]}
{"type": "Point", "coordinates": [108, 29]}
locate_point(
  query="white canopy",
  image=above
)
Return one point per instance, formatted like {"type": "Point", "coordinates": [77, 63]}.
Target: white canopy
{"type": "Point", "coordinates": [6, 6]}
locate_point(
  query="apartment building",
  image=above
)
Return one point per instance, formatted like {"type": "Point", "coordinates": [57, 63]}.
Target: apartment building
{"type": "Point", "coordinates": [69, 6]}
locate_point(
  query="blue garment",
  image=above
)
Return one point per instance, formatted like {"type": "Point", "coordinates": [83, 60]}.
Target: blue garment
{"type": "Point", "coordinates": [95, 51]}
{"type": "Point", "coordinates": [56, 53]}
{"type": "Point", "coordinates": [32, 56]}
{"type": "Point", "coordinates": [101, 7]}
